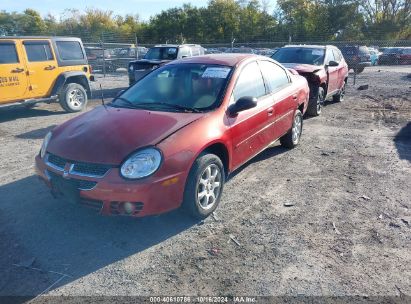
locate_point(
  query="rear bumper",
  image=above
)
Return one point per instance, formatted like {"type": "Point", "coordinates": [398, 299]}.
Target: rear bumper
{"type": "Point", "coordinates": [111, 192]}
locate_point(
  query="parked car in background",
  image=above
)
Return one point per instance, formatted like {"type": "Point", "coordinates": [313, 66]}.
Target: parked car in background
{"type": "Point", "coordinates": [357, 57]}
{"type": "Point", "coordinates": [324, 68]}
{"type": "Point", "coordinates": [159, 55]}
{"type": "Point", "coordinates": [405, 56]}
{"type": "Point", "coordinates": [175, 135]}
{"type": "Point", "coordinates": [390, 56]}
{"type": "Point", "coordinates": [240, 50]}
{"type": "Point", "coordinates": [44, 69]}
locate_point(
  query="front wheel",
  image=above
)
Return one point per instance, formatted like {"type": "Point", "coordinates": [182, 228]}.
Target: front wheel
{"type": "Point", "coordinates": [340, 96]}
{"type": "Point", "coordinates": [204, 186]}
{"type": "Point", "coordinates": [73, 97]}
{"type": "Point", "coordinates": [292, 138]}
{"type": "Point", "coordinates": [315, 104]}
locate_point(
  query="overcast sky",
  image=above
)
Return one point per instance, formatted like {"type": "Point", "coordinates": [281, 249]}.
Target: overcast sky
{"type": "Point", "coordinates": [144, 8]}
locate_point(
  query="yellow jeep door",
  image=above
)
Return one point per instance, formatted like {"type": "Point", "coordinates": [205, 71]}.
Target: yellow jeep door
{"type": "Point", "coordinates": [13, 77]}
{"type": "Point", "coordinates": [42, 67]}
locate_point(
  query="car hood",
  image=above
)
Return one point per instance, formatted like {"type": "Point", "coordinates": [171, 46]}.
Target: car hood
{"type": "Point", "coordinates": [303, 68]}
{"type": "Point", "coordinates": [107, 135]}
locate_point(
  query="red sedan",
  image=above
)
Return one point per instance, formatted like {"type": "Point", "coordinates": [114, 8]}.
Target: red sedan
{"type": "Point", "coordinates": [173, 137]}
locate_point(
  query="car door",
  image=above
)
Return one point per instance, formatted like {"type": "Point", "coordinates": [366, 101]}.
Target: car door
{"type": "Point", "coordinates": [13, 77]}
{"type": "Point", "coordinates": [247, 128]}
{"type": "Point", "coordinates": [41, 67]}
{"type": "Point", "coordinates": [331, 71]}
{"type": "Point", "coordinates": [342, 69]}
{"type": "Point", "coordinates": [282, 96]}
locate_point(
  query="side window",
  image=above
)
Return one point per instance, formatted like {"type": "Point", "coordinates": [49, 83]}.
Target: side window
{"type": "Point", "coordinates": [250, 82]}
{"type": "Point", "coordinates": [329, 56]}
{"type": "Point", "coordinates": [275, 76]}
{"type": "Point", "coordinates": [38, 51]}
{"type": "Point", "coordinates": [195, 51]}
{"type": "Point", "coordinates": [70, 50]}
{"type": "Point", "coordinates": [184, 52]}
{"type": "Point", "coordinates": [8, 53]}
{"type": "Point", "coordinates": [337, 55]}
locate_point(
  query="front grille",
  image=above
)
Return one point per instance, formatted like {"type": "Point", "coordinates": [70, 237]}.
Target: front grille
{"type": "Point", "coordinates": [90, 169]}
{"type": "Point", "coordinates": [78, 168]}
{"type": "Point", "coordinates": [56, 160]}
{"type": "Point", "coordinates": [80, 184]}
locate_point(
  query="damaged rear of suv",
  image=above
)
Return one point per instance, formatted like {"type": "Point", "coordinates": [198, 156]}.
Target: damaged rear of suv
{"type": "Point", "coordinates": [324, 68]}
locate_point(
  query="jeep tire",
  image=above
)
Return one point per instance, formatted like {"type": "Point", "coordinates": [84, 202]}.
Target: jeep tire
{"type": "Point", "coordinates": [73, 97]}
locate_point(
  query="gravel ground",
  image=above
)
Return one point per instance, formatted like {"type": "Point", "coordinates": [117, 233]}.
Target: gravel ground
{"type": "Point", "coordinates": [329, 218]}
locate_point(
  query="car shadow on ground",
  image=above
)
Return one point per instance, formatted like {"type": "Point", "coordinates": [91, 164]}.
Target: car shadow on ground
{"type": "Point", "coordinates": [403, 142]}
{"type": "Point", "coordinates": [107, 93]}
{"type": "Point", "coordinates": [37, 133]}
{"type": "Point", "coordinates": [14, 112]}
{"type": "Point", "coordinates": [69, 239]}
{"type": "Point", "coordinates": [270, 152]}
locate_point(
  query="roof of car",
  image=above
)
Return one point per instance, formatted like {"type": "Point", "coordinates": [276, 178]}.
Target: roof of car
{"type": "Point", "coordinates": [307, 46]}
{"type": "Point", "coordinates": [37, 37]}
{"type": "Point", "coordinates": [175, 45]}
{"type": "Point", "coordinates": [219, 59]}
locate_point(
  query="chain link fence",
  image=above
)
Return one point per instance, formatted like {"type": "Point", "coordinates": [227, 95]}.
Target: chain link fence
{"type": "Point", "coordinates": [113, 57]}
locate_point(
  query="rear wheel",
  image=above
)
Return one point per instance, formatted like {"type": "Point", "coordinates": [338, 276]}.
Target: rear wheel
{"type": "Point", "coordinates": [73, 97]}
{"type": "Point", "coordinates": [316, 102]}
{"type": "Point", "coordinates": [292, 138]}
{"type": "Point", "coordinates": [340, 96]}
{"type": "Point", "coordinates": [204, 186]}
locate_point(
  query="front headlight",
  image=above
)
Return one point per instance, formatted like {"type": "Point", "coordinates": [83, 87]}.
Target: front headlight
{"type": "Point", "coordinates": [131, 68]}
{"type": "Point", "coordinates": [141, 163]}
{"type": "Point", "coordinates": [45, 144]}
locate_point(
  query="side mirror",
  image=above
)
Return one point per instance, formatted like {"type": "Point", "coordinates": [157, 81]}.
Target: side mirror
{"type": "Point", "coordinates": [244, 103]}
{"type": "Point", "coordinates": [119, 93]}
{"type": "Point", "coordinates": [333, 63]}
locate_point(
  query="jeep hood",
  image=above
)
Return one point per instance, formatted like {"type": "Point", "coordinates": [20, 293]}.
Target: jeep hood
{"type": "Point", "coordinates": [107, 135]}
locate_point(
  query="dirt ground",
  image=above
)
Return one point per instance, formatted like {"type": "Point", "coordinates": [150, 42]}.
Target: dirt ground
{"type": "Point", "coordinates": [329, 218]}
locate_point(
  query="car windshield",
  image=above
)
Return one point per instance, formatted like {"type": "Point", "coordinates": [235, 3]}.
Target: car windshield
{"type": "Point", "coordinates": [178, 87]}
{"type": "Point", "coordinates": [304, 55]}
{"type": "Point", "coordinates": [392, 51]}
{"type": "Point", "coordinates": [161, 53]}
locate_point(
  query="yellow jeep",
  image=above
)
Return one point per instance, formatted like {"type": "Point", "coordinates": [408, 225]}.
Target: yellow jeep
{"type": "Point", "coordinates": [44, 69]}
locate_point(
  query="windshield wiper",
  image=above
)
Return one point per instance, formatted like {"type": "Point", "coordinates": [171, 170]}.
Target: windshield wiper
{"type": "Point", "coordinates": [170, 105]}
{"type": "Point", "coordinates": [129, 104]}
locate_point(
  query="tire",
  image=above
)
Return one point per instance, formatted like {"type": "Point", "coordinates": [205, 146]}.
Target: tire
{"type": "Point", "coordinates": [292, 138]}
{"type": "Point", "coordinates": [316, 101]}
{"type": "Point", "coordinates": [73, 97]}
{"type": "Point", "coordinates": [359, 70]}
{"type": "Point", "coordinates": [201, 195]}
{"type": "Point", "coordinates": [340, 96]}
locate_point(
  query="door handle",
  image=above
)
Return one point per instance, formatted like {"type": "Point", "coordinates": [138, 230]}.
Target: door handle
{"type": "Point", "coordinates": [50, 67]}
{"type": "Point", "coordinates": [270, 111]}
{"type": "Point", "coordinates": [17, 70]}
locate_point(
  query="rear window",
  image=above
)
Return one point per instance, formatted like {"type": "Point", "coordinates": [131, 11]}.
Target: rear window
{"type": "Point", "coordinates": [364, 50]}
{"type": "Point", "coordinates": [70, 50]}
{"type": "Point", "coordinates": [38, 51]}
{"type": "Point", "coordinates": [8, 53]}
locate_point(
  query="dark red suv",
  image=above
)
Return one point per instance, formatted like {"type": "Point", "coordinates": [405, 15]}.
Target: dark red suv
{"type": "Point", "coordinates": [323, 66]}
{"type": "Point", "coordinates": [174, 136]}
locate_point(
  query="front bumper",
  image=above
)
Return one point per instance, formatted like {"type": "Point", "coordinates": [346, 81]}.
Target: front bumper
{"type": "Point", "coordinates": [111, 192]}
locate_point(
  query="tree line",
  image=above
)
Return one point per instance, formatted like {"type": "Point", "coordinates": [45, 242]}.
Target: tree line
{"type": "Point", "coordinates": [222, 21]}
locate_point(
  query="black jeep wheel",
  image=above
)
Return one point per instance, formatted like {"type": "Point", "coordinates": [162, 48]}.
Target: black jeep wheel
{"type": "Point", "coordinates": [73, 97]}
